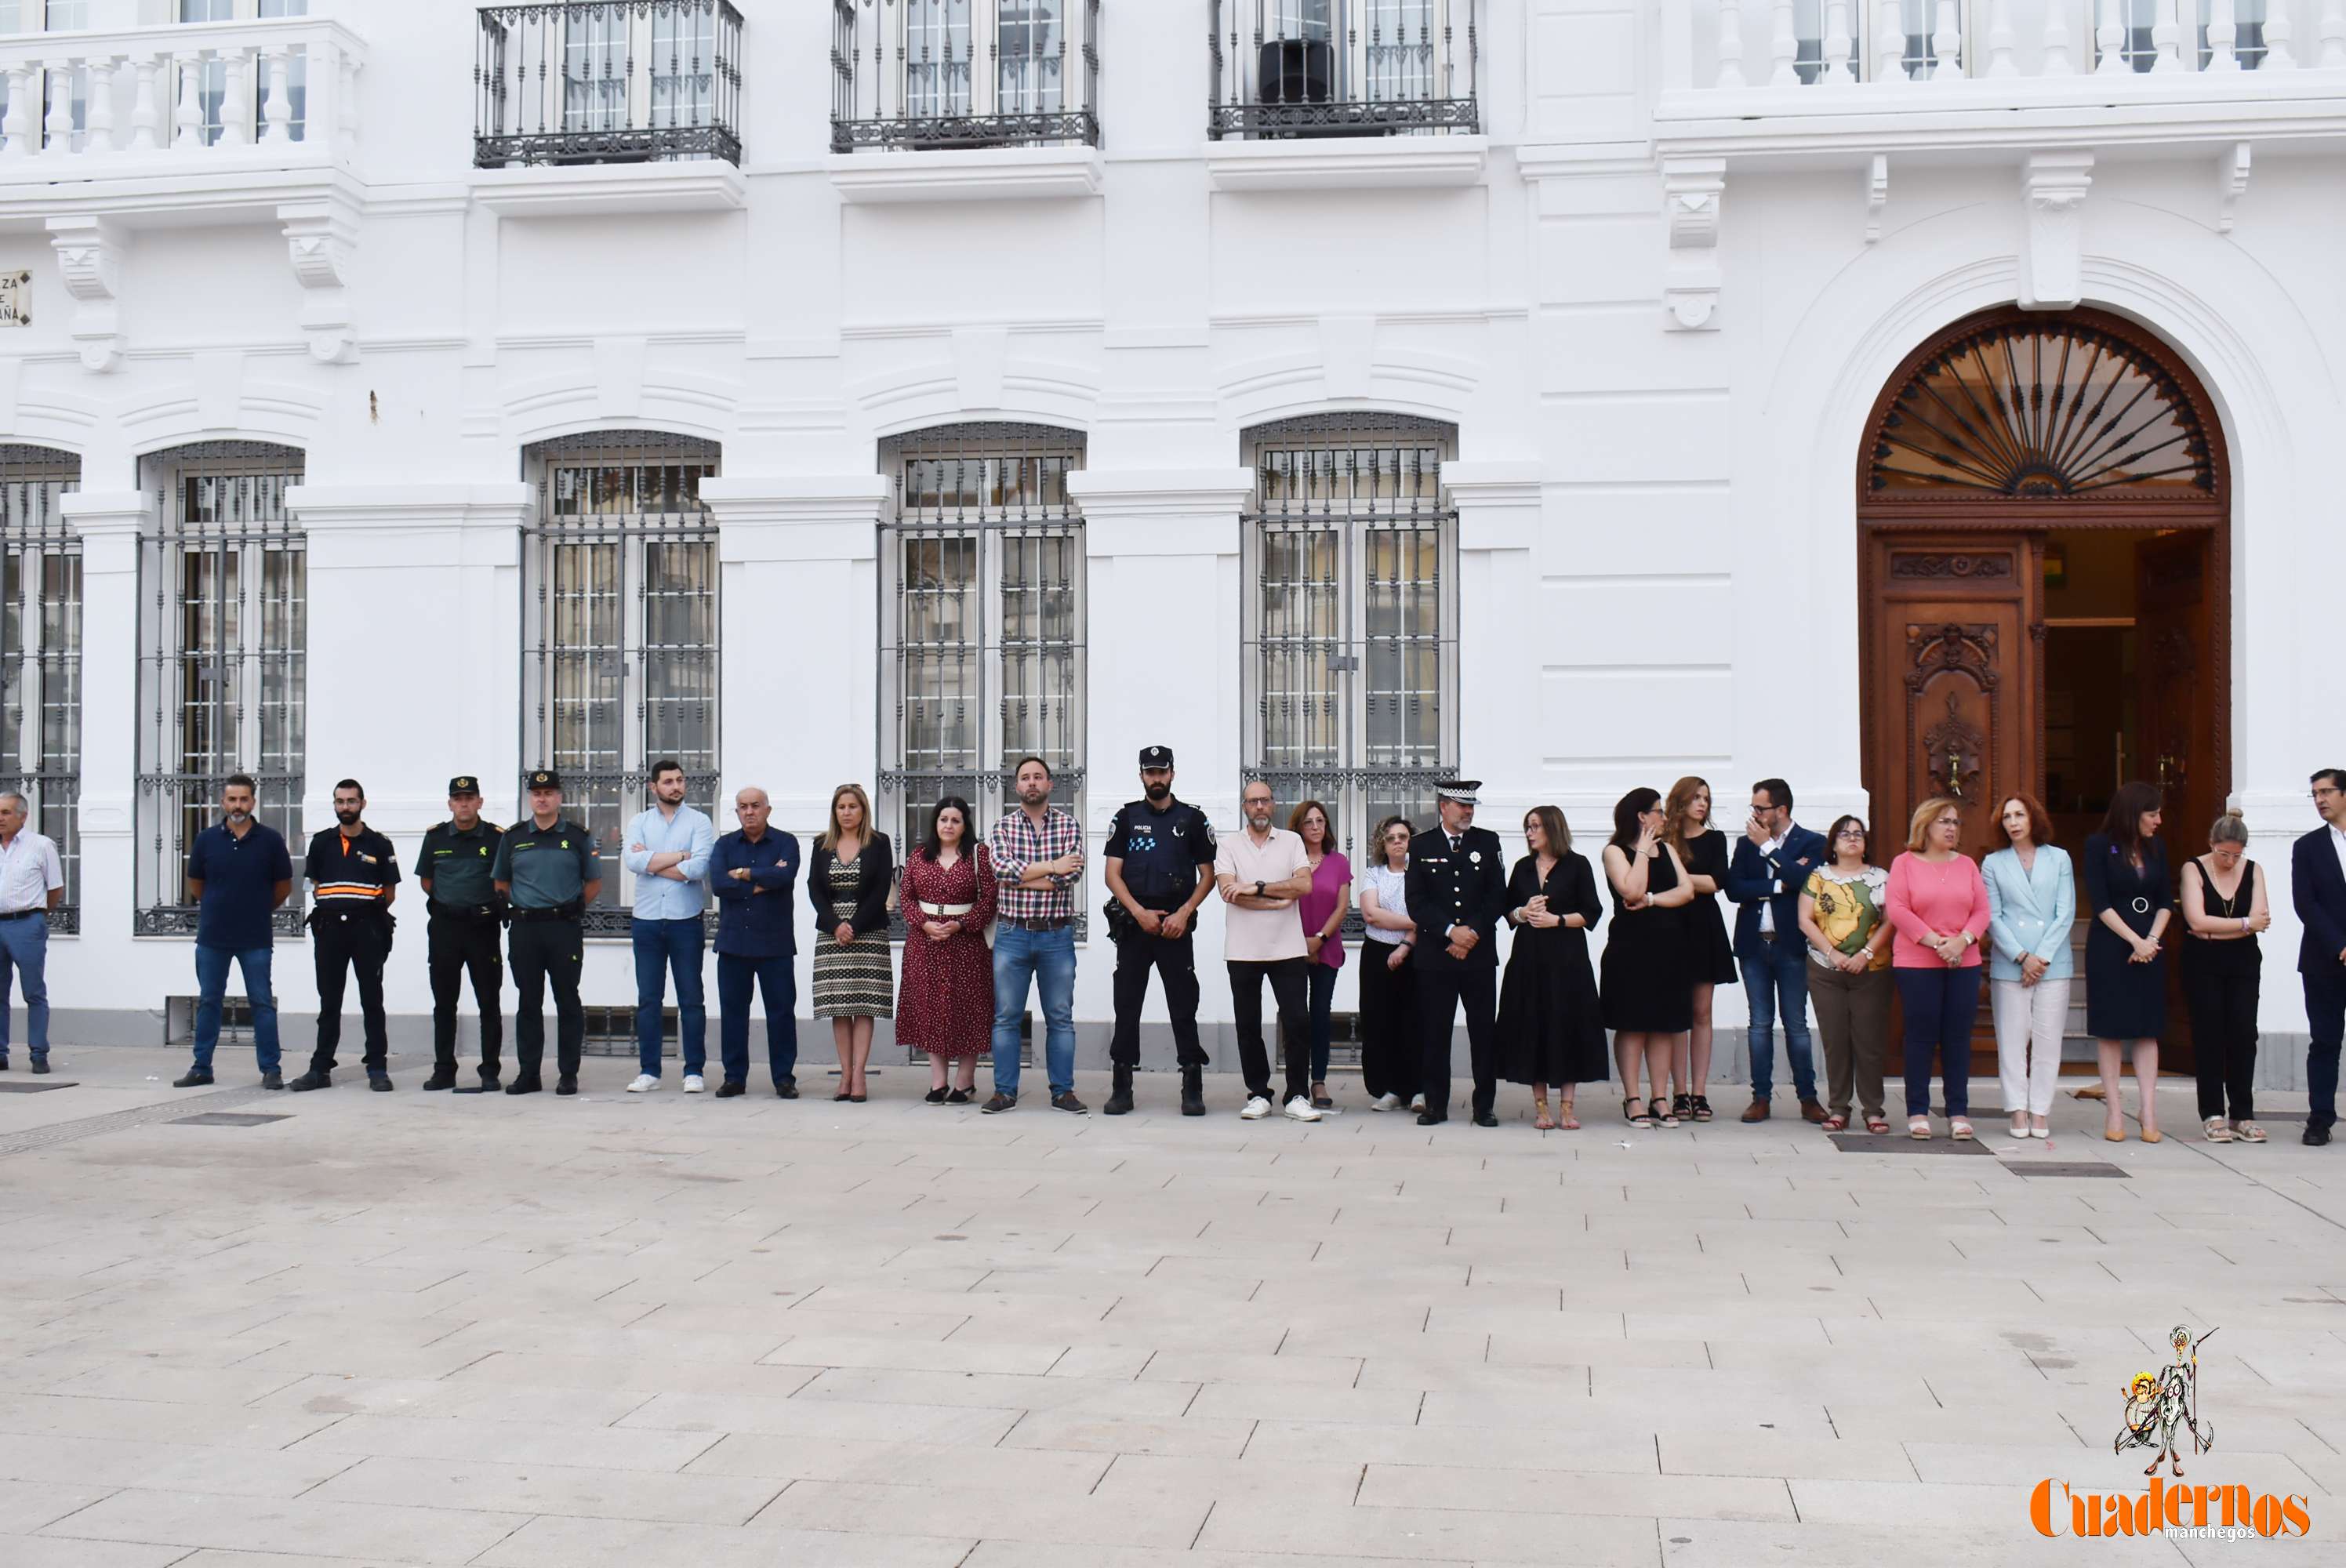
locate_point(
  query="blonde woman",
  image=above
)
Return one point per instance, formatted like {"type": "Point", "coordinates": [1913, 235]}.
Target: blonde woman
{"type": "Point", "coordinates": [1937, 904]}
{"type": "Point", "coordinates": [848, 880]}
{"type": "Point", "coordinates": [1703, 850]}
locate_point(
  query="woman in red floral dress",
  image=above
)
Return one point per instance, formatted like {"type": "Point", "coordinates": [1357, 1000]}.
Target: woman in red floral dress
{"type": "Point", "coordinates": [944, 1004]}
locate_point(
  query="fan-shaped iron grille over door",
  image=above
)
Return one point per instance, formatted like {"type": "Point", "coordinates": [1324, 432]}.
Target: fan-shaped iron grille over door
{"type": "Point", "coordinates": [2076, 407]}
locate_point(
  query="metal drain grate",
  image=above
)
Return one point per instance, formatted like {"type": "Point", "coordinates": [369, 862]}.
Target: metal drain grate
{"type": "Point", "coordinates": [36, 1088]}
{"type": "Point", "coordinates": [1898, 1144]}
{"type": "Point", "coordinates": [31, 1138]}
{"type": "Point", "coordinates": [226, 1119]}
{"type": "Point", "coordinates": [2076, 1168]}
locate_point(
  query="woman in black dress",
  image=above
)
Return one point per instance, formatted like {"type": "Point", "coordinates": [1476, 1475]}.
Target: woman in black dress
{"type": "Point", "coordinates": [1647, 978]}
{"type": "Point", "coordinates": [2224, 912]}
{"type": "Point", "coordinates": [2125, 974]}
{"type": "Point", "coordinates": [1551, 1025]}
{"type": "Point", "coordinates": [1703, 848]}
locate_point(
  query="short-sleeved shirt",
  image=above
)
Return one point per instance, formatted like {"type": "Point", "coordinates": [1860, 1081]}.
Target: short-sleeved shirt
{"type": "Point", "coordinates": [348, 873]}
{"type": "Point", "coordinates": [1260, 936]}
{"type": "Point", "coordinates": [1162, 852]}
{"type": "Point", "coordinates": [460, 866]}
{"type": "Point", "coordinates": [29, 871]}
{"type": "Point", "coordinates": [239, 878]}
{"type": "Point", "coordinates": [547, 867]}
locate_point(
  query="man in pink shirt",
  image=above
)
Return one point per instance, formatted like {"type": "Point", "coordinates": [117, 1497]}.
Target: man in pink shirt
{"type": "Point", "coordinates": [1262, 870]}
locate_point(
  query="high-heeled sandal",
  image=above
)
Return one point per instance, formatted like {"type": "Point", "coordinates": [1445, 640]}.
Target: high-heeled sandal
{"type": "Point", "coordinates": [1540, 1122]}
{"type": "Point", "coordinates": [1634, 1118]}
{"type": "Point", "coordinates": [1701, 1107]}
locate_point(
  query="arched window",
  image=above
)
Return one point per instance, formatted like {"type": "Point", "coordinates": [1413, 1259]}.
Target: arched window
{"type": "Point", "coordinates": [1350, 615]}
{"type": "Point", "coordinates": [619, 635]}
{"type": "Point", "coordinates": [40, 655]}
{"type": "Point", "coordinates": [223, 676]}
{"type": "Point", "coordinates": [982, 604]}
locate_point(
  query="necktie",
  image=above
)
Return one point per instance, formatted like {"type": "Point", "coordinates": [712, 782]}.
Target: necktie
{"type": "Point", "coordinates": [1454, 843]}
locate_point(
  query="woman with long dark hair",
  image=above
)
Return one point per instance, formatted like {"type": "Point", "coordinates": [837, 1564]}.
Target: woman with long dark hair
{"type": "Point", "coordinates": [1686, 823]}
{"type": "Point", "coordinates": [2127, 883]}
{"type": "Point", "coordinates": [946, 1002]}
{"type": "Point", "coordinates": [1322, 912]}
{"type": "Point", "coordinates": [1389, 1044]}
{"type": "Point", "coordinates": [1647, 978]}
{"type": "Point", "coordinates": [1551, 1025]}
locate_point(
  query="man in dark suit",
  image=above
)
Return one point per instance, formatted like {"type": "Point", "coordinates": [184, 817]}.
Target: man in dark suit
{"type": "Point", "coordinates": [2317, 885]}
{"type": "Point", "coordinates": [1771, 866]}
{"type": "Point", "coordinates": [1457, 891]}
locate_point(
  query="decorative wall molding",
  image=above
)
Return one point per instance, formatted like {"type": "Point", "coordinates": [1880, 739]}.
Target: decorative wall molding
{"type": "Point", "coordinates": [1877, 194]}
{"type": "Point", "coordinates": [1693, 192]}
{"type": "Point", "coordinates": [319, 237]}
{"type": "Point", "coordinates": [2231, 183]}
{"type": "Point", "coordinates": [89, 263]}
{"type": "Point", "coordinates": [2054, 185]}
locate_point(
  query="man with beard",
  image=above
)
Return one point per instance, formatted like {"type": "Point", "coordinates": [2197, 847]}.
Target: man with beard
{"type": "Point", "coordinates": [353, 874]}
{"type": "Point", "coordinates": [1262, 871]}
{"type": "Point", "coordinates": [1038, 861]}
{"type": "Point", "coordinates": [1158, 862]}
{"type": "Point", "coordinates": [238, 873]}
{"type": "Point", "coordinates": [465, 924]}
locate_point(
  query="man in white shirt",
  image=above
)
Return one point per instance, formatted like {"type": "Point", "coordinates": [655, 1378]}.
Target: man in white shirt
{"type": "Point", "coordinates": [30, 884]}
{"type": "Point", "coordinates": [667, 850]}
{"type": "Point", "coordinates": [1262, 872]}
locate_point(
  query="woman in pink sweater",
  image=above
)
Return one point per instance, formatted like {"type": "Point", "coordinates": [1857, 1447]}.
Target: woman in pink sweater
{"type": "Point", "coordinates": [1937, 904]}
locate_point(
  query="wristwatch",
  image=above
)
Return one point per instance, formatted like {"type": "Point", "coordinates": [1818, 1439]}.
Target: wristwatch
{"type": "Point", "coordinates": [1259, 887]}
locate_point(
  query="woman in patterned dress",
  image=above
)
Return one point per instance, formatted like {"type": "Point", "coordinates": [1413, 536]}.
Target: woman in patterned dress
{"type": "Point", "coordinates": [947, 897]}
{"type": "Point", "coordinates": [849, 878]}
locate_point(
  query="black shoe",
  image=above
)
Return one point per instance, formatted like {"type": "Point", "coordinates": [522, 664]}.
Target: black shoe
{"type": "Point", "coordinates": [379, 1082]}
{"type": "Point", "coordinates": [935, 1096]}
{"type": "Point", "coordinates": [40, 1064]}
{"type": "Point", "coordinates": [1428, 1119]}
{"type": "Point", "coordinates": [1119, 1094]}
{"type": "Point", "coordinates": [1485, 1119]}
{"type": "Point", "coordinates": [3, 1063]}
{"type": "Point", "coordinates": [196, 1078]}
{"type": "Point", "coordinates": [999, 1104]}
{"type": "Point", "coordinates": [788, 1089]}
{"type": "Point", "coordinates": [1067, 1102]}
{"type": "Point", "coordinates": [312, 1079]}
{"type": "Point", "coordinates": [490, 1080]}
{"type": "Point", "coordinates": [267, 1080]}
{"type": "Point", "coordinates": [2314, 1137]}
{"type": "Point", "coordinates": [441, 1078]}
{"type": "Point", "coordinates": [1193, 1091]}
{"type": "Point", "coordinates": [566, 1084]}
{"type": "Point", "coordinates": [729, 1090]}
{"type": "Point", "coordinates": [526, 1083]}
{"type": "Point", "coordinates": [960, 1097]}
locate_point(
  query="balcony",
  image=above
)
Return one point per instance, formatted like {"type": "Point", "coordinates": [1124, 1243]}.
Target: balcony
{"type": "Point", "coordinates": [1321, 93]}
{"type": "Point", "coordinates": [947, 100]}
{"type": "Point", "coordinates": [608, 104]}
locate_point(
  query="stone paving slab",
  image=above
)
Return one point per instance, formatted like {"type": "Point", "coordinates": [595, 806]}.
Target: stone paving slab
{"type": "Point", "coordinates": [651, 1330]}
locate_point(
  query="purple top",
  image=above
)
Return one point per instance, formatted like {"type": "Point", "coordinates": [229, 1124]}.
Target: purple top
{"type": "Point", "coordinates": [1317, 905]}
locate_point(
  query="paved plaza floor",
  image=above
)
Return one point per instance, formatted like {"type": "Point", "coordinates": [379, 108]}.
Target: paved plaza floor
{"type": "Point", "coordinates": [650, 1331]}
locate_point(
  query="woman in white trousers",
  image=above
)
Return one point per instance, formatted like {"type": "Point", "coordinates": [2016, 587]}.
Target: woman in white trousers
{"type": "Point", "coordinates": [2032, 900]}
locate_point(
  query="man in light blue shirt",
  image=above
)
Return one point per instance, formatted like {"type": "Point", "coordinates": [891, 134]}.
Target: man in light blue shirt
{"type": "Point", "coordinates": [667, 851]}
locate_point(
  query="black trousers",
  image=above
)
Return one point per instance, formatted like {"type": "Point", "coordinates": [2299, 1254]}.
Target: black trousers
{"type": "Point", "coordinates": [2325, 1012]}
{"type": "Point", "coordinates": [548, 951]}
{"type": "Point", "coordinates": [342, 942]}
{"type": "Point", "coordinates": [1390, 1044]}
{"type": "Point", "coordinates": [2220, 987]}
{"type": "Point", "coordinates": [1175, 961]}
{"type": "Point", "coordinates": [1291, 992]}
{"type": "Point", "coordinates": [1441, 985]}
{"type": "Point", "coordinates": [457, 944]}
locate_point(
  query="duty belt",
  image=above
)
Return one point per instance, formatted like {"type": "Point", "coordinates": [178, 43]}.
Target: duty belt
{"type": "Point", "coordinates": [560, 911]}
{"type": "Point", "coordinates": [460, 911]}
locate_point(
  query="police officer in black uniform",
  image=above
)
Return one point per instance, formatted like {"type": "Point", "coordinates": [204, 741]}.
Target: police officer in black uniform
{"type": "Point", "coordinates": [547, 871]}
{"type": "Point", "coordinates": [1457, 894]}
{"type": "Point", "coordinates": [353, 874]}
{"type": "Point", "coordinates": [1159, 858]}
{"type": "Point", "coordinates": [456, 867]}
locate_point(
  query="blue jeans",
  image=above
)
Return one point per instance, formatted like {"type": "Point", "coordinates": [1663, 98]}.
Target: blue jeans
{"type": "Point", "coordinates": [662, 945]}
{"type": "Point", "coordinates": [736, 977]}
{"type": "Point", "coordinates": [1941, 1005]}
{"type": "Point", "coordinates": [211, 986]}
{"type": "Point", "coordinates": [25, 949]}
{"type": "Point", "coordinates": [1049, 959]}
{"type": "Point", "coordinates": [1779, 975]}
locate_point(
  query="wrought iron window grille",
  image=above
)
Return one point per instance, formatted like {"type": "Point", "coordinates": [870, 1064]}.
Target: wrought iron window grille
{"type": "Point", "coordinates": [1307, 68]}
{"type": "Point", "coordinates": [40, 656]}
{"type": "Point", "coordinates": [223, 674]}
{"type": "Point", "coordinates": [620, 618]}
{"type": "Point", "coordinates": [607, 81]}
{"type": "Point", "coordinates": [921, 75]}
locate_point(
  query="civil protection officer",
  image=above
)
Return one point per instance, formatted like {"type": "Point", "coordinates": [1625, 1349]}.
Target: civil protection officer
{"type": "Point", "coordinates": [456, 867]}
{"type": "Point", "coordinates": [353, 874]}
{"type": "Point", "coordinates": [1457, 890]}
{"type": "Point", "coordinates": [548, 869]}
{"type": "Point", "coordinates": [1159, 865]}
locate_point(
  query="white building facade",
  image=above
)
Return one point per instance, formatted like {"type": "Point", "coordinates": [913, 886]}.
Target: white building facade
{"type": "Point", "coordinates": [1577, 395]}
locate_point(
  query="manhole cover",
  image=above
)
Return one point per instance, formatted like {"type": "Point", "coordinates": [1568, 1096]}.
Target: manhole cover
{"type": "Point", "coordinates": [225, 1119]}
{"type": "Point", "coordinates": [2077, 1168]}
{"type": "Point", "coordinates": [1898, 1143]}
{"type": "Point", "coordinates": [36, 1088]}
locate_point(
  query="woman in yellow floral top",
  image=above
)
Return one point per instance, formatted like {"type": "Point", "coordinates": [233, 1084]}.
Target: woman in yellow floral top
{"type": "Point", "coordinates": [1849, 944]}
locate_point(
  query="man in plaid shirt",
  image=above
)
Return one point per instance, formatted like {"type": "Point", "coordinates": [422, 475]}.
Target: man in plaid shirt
{"type": "Point", "coordinates": [1038, 858]}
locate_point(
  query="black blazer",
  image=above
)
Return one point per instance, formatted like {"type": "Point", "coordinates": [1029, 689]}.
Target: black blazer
{"type": "Point", "coordinates": [879, 863]}
{"type": "Point", "coordinates": [1469, 888]}
{"type": "Point", "coordinates": [2318, 888]}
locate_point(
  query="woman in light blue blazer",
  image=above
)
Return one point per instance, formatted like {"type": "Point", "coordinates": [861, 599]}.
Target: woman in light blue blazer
{"type": "Point", "coordinates": [2032, 900]}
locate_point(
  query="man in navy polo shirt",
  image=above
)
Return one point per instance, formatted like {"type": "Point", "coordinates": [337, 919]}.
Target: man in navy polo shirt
{"type": "Point", "coordinates": [238, 872]}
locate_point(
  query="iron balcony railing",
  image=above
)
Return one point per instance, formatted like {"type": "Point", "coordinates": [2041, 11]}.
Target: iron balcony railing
{"type": "Point", "coordinates": [915, 75]}
{"type": "Point", "coordinates": [1287, 68]}
{"type": "Point", "coordinates": [607, 81]}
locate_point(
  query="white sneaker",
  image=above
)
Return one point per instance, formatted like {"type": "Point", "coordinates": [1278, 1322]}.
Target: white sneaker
{"type": "Point", "coordinates": [645, 1082]}
{"type": "Point", "coordinates": [1417, 1104]}
{"type": "Point", "coordinates": [1300, 1109]}
{"type": "Point", "coordinates": [692, 1085]}
{"type": "Point", "coordinates": [1385, 1103]}
{"type": "Point", "coordinates": [1257, 1108]}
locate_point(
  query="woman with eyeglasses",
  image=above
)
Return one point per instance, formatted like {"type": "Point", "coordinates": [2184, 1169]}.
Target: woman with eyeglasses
{"type": "Point", "coordinates": [2127, 883]}
{"type": "Point", "coordinates": [1322, 913]}
{"type": "Point", "coordinates": [1937, 905]}
{"type": "Point", "coordinates": [1647, 985]}
{"type": "Point", "coordinates": [2031, 904]}
{"type": "Point", "coordinates": [1389, 1044]}
{"type": "Point", "coordinates": [1551, 1025]}
{"type": "Point", "coordinates": [2224, 913]}
{"type": "Point", "coordinates": [1703, 848]}
{"type": "Point", "coordinates": [1849, 936]}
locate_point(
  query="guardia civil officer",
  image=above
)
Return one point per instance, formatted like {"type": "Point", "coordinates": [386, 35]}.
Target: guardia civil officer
{"type": "Point", "coordinates": [353, 874]}
{"type": "Point", "coordinates": [1457, 890]}
{"type": "Point", "coordinates": [548, 869]}
{"type": "Point", "coordinates": [456, 867]}
{"type": "Point", "coordinates": [1160, 865]}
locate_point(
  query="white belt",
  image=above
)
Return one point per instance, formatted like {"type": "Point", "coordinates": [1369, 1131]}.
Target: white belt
{"type": "Point", "coordinates": [944, 911]}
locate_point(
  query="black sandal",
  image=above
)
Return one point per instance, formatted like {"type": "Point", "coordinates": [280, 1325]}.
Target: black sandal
{"type": "Point", "coordinates": [935, 1096]}
{"type": "Point", "coordinates": [1638, 1119]}
{"type": "Point", "coordinates": [1701, 1107]}
{"type": "Point", "coordinates": [1682, 1106]}
{"type": "Point", "coordinates": [842, 1097]}
{"type": "Point", "coordinates": [960, 1097]}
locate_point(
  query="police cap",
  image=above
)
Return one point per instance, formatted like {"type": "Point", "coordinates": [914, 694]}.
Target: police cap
{"type": "Point", "coordinates": [545, 778]}
{"type": "Point", "coordinates": [463, 784]}
{"type": "Point", "coordinates": [1156, 756]}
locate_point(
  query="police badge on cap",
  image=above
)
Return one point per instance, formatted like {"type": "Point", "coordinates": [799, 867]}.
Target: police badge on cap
{"type": "Point", "coordinates": [1459, 790]}
{"type": "Point", "coordinates": [463, 784]}
{"type": "Point", "coordinates": [1156, 756]}
{"type": "Point", "coordinates": [545, 778]}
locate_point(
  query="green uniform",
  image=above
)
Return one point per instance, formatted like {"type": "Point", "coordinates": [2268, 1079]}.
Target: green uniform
{"type": "Point", "coordinates": [462, 939]}
{"type": "Point", "coordinates": [461, 866]}
{"type": "Point", "coordinates": [547, 868]}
